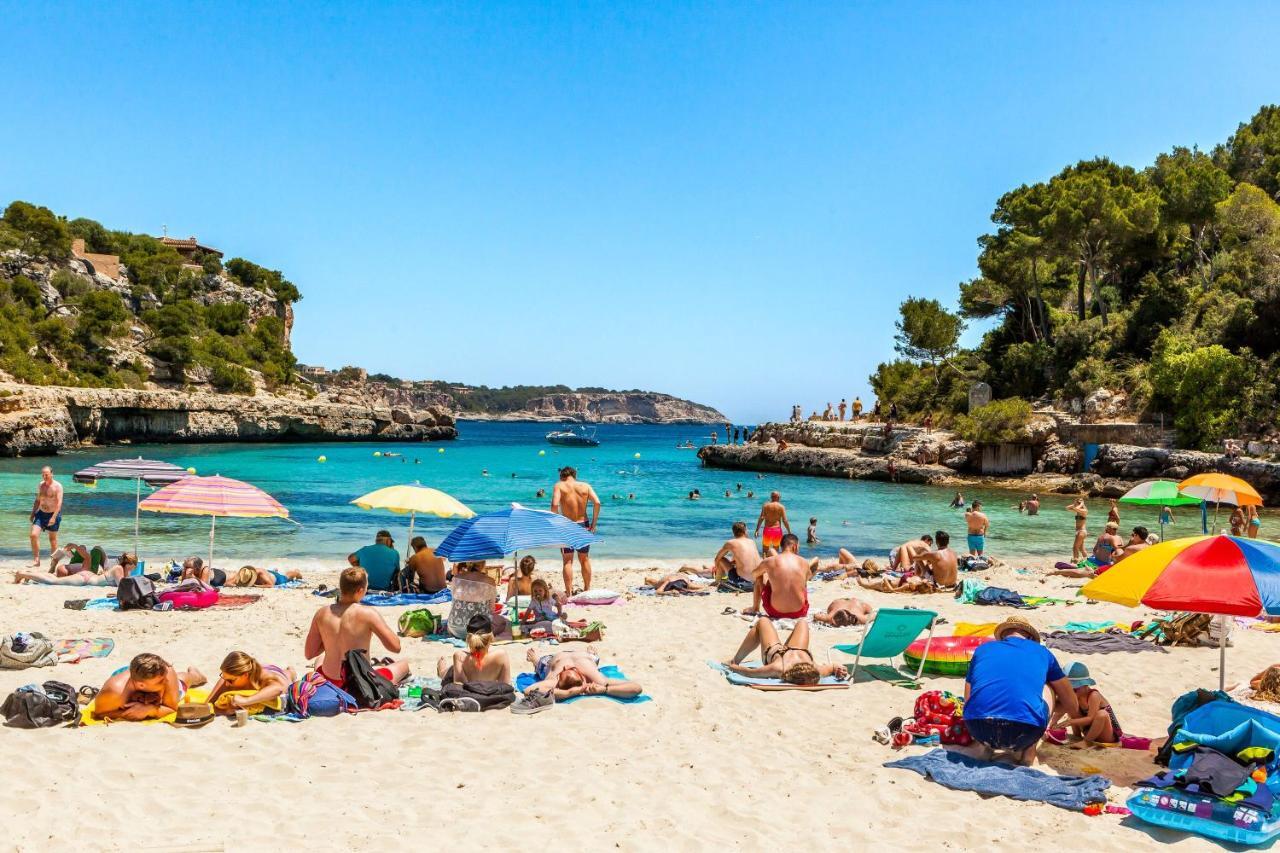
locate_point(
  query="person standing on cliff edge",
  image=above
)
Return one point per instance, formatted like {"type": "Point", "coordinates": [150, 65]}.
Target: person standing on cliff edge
{"type": "Point", "coordinates": [570, 498]}
{"type": "Point", "coordinates": [46, 514]}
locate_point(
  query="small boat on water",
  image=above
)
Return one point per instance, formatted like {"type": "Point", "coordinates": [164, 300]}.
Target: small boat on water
{"type": "Point", "coordinates": [580, 437]}
{"type": "Point", "coordinates": [688, 445]}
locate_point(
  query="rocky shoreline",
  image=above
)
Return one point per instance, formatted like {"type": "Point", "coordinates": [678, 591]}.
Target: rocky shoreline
{"type": "Point", "coordinates": [42, 420]}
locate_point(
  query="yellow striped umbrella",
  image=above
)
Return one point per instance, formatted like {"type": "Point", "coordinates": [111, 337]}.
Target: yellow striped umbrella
{"type": "Point", "coordinates": [216, 497]}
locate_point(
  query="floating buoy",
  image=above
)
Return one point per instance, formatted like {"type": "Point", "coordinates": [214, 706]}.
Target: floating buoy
{"type": "Point", "coordinates": [377, 453]}
{"type": "Point", "coordinates": [542, 453]}
{"type": "Point", "coordinates": [322, 458]}
{"type": "Point", "coordinates": [191, 470]}
{"type": "Point", "coordinates": [439, 450]}
{"type": "Point", "coordinates": [637, 456]}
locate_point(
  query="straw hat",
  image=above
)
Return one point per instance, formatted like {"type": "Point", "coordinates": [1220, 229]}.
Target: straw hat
{"type": "Point", "coordinates": [191, 715]}
{"type": "Point", "coordinates": [1016, 623]}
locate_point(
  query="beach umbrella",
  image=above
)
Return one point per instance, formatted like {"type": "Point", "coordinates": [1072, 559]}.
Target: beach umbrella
{"type": "Point", "coordinates": [1220, 575]}
{"type": "Point", "coordinates": [516, 528]}
{"type": "Point", "coordinates": [1220, 489]}
{"type": "Point", "coordinates": [1159, 493]}
{"type": "Point", "coordinates": [413, 500]}
{"type": "Point", "coordinates": [216, 497]}
{"type": "Point", "coordinates": [149, 471]}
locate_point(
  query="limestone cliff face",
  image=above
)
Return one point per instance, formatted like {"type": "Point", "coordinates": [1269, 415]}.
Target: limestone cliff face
{"type": "Point", "coordinates": [43, 420]}
{"type": "Point", "coordinates": [615, 407]}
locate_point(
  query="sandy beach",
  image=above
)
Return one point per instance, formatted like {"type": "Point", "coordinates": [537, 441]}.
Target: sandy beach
{"type": "Point", "coordinates": [703, 764]}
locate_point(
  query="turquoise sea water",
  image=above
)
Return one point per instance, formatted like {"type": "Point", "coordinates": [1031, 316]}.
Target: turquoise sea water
{"type": "Point", "coordinates": [660, 524]}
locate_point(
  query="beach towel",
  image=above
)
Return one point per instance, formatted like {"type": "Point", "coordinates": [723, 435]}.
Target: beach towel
{"type": "Point", "coordinates": [228, 601]}
{"type": "Point", "coordinates": [525, 680]}
{"type": "Point", "coordinates": [234, 601]}
{"type": "Point", "coordinates": [828, 683]}
{"type": "Point", "coordinates": [192, 695]}
{"type": "Point", "coordinates": [404, 599]}
{"type": "Point", "coordinates": [77, 650]}
{"type": "Point", "coordinates": [974, 629]}
{"type": "Point", "coordinates": [1091, 627]}
{"type": "Point", "coordinates": [962, 773]}
{"type": "Point", "coordinates": [1099, 644]}
{"type": "Point", "coordinates": [968, 590]}
{"type": "Point", "coordinates": [1000, 596]}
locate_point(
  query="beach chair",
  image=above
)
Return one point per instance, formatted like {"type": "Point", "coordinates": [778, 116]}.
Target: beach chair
{"type": "Point", "coordinates": [889, 634]}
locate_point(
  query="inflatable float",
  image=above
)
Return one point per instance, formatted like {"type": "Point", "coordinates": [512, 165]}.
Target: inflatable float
{"type": "Point", "coordinates": [947, 655]}
{"type": "Point", "coordinates": [190, 598]}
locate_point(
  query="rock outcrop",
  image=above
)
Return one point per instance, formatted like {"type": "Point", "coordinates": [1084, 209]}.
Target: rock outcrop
{"type": "Point", "coordinates": [1127, 462]}
{"type": "Point", "coordinates": [42, 420]}
{"type": "Point", "coordinates": [613, 407]}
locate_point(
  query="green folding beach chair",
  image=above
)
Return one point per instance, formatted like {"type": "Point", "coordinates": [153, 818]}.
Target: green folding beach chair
{"type": "Point", "coordinates": [889, 634]}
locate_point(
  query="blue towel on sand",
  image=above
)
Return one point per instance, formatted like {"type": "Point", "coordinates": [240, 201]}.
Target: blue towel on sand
{"type": "Point", "coordinates": [402, 599]}
{"type": "Point", "coordinates": [526, 679]}
{"type": "Point", "coordinates": [737, 678]}
{"type": "Point", "coordinates": [962, 773]}
{"type": "Point", "coordinates": [101, 604]}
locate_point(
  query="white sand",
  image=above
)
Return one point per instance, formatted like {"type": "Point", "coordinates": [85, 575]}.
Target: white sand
{"type": "Point", "coordinates": [705, 764]}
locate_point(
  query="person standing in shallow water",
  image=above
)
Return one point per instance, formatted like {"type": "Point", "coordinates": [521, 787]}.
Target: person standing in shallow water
{"type": "Point", "coordinates": [570, 498]}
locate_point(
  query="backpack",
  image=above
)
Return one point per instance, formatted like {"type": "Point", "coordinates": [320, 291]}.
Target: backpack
{"type": "Point", "coordinates": [370, 689]}
{"type": "Point", "coordinates": [419, 623]}
{"type": "Point", "coordinates": [32, 707]}
{"type": "Point", "coordinates": [64, 696]}
{"type": "Point", "coordinates": [136, 593]}
{"type": "Point", "coordinates": [491, 695]}
{"type": "Point", "coordinates": [316, 696]}
{"type": "Point", "coordinates": [23, 651]}
{"type": "Point", "coordinates": [970, 563]}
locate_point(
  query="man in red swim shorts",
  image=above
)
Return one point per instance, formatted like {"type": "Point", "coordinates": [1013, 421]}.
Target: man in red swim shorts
{"type": "Point", "coordinates": [347, 624]}
{"type": "Point", "coordinates": [781, 582]}
{"type": "Point", "coordinates": [773, 517]}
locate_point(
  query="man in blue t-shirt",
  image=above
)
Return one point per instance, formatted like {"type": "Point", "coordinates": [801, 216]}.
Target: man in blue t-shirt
{"type": "Point", "coordinates": [380, 561]}
{"type": "Point", "coordinates": [1004, 707]}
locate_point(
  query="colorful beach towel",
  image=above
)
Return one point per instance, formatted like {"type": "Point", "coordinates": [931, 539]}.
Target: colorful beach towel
{"type": "Point", "coordinates": [1096, 627]}
{"type": "Point", "coordinates": [828, 683]}
{"type": "Point", "coordinates": [404, 599]}
{"type": "Point", "coordinates": [77, 650]}
{"type": "Point", "coordinates": [525, 680]}
{"type": "Point", "coordinates": [226, 601]}
{"type": "Point", "coordinates": [962, 773]}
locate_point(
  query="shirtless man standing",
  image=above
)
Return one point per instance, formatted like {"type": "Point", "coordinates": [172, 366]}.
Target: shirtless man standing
{"type": "Point", "coordinates": [570, 499]}
{"type": "Point", "coordinates": [149, 689]}
{"type": "Point", "coordinates": [737, 559]}
{"type": "Point", "coordinates": [347, 624]}
{"type": "Point", "coordinates": [46, 514]}
{"type": "Point", "coordinates": [978, 525]}
{"type": "Point", "coordinates": [780, 582]}
{"type": "Point", "coordinates": [773, 517]}
{"type": "Point", "coordinates": [1033, 505]}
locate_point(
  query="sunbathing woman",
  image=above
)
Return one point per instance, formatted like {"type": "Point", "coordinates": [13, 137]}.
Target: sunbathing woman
{"type": "Point", "coordinates": [522, 582]}
{"type": "Point", "coordinates": [845, 611]}
{"type": "Point", "coordinates": [194, 568]}
{"type": "Point", "coordinates": [791, 661]}
{"type": "Point", "coordinates": [78, 559]}
{"type": "Point", "coordinates": [250, 576]}
{"type": "Point", "coordinates": [241, 672]}
{"type": "Point", "coordinates": [677, 584]}
{"type": "Point", "coordinates": [110, 576]}
{"type": "Point", "coordinates": [478, 662]}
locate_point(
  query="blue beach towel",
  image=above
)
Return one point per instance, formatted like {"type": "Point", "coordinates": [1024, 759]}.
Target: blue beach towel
{"type": "Point", "coordinates": [402, 599]}
{"type": "Point", "coordinates": [101, 604]}
{"type": "Point", "coordinates": [961, 773]}
{"type": "Point", "coordinates": [526, 679]}
{"type": "Point", "coordinates": [739, 679]}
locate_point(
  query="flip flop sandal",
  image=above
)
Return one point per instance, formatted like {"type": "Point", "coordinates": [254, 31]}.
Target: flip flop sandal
{"type": "Point", "coordinates": [86, 694]}
{"type": "Point", "coordinates": [728, 611]}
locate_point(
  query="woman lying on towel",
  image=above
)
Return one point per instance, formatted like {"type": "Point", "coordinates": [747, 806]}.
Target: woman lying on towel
{"type": "Point", "coordinates": [250, 576]}
{"type": "Point", "coordinates": [791, 661]}
{"type": "Point", "coordinates": [677, 584]}
{"type": "Point", "coordinates": [245, 683]}
{"type": "Point", "coordinates": [110, 576]}
{"type": "Point", "coordinates": [193, 568]}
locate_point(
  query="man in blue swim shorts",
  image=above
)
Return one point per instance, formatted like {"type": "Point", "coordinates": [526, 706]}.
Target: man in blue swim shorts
{"type": "Point", "coordinates": [46, 514]}
{"type": "Point", "coordinates": [978, 524]}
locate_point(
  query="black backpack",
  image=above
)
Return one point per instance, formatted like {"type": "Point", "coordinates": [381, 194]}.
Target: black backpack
{"type": "Point", "coordinates": [491, 695]}
{"type": "Point", "coordinates": [136, 593]}
{"type": "Point", "coordinates": [370, 689]}
{"type": "Point", "coordinates": [27, 709]}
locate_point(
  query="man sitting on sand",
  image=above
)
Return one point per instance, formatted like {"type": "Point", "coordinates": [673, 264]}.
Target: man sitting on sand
{"type": "Point", "coordinates": [791, 661]}
{"type": "Point", "coordinates": [780, 583]}
{"type": "Point", "coordinates": [563, 675]}
{"type": "Point", "coordinates": [346, 625]}
{"type": "Point", "coordinates": [424, 568]}
{"type": "Point", "coordinates": [737, 558]}
{"type": "Point", "coordinates": [844, 612]}
{"type": "Point", "coordinates": [1137, 542]}
{"type": "Point", "coordinates": [111, 575]}
{"type": "Point", "coordinates": [940, 566]}
{"type": "Point", "coordinates": [149, 688]}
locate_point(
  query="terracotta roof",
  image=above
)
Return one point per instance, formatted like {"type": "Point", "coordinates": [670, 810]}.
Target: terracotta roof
{"type": "Point", "coordinates": [188, 243]}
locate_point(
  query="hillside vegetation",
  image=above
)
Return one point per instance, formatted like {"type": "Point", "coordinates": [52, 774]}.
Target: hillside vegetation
{"type": "Point", "coordinates": [1162, 282]}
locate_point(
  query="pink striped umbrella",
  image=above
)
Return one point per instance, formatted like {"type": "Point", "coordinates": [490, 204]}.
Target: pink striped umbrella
{"type": "Point", "coordinates": [216, 497]}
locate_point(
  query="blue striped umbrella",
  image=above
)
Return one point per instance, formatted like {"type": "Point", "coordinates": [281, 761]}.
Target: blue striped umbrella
{"type": "Point", "coordinates": [516, 528]}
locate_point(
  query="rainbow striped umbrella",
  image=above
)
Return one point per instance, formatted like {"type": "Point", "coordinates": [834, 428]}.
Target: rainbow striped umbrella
{"type": "Point", "coordinates": [1223, 575]}
{"type": "Point", "coordinates": [216, 497]}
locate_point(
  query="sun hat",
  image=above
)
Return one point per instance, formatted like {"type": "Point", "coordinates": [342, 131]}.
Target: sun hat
{"type": "Point", "coordinates": [1016, 623]}
{"type": "Point", "coordinates": [191, 715]}
{"type": "Point", "coordinates": [1078, 675]}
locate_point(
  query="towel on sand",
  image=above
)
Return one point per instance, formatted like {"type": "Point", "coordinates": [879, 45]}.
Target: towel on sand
{"type": "Point", "coordinates": [77, 650]}
{"type": "Point", "coordinates": [527, 679]}
{"type": "Point", "coordinates": [226, 601]}
{"type": "Point", "coordinates": [1098, 644]}
{"type": "Point", "coordinates": [962, 773]}
{"type": "Point", "coordinates": [401, 599]}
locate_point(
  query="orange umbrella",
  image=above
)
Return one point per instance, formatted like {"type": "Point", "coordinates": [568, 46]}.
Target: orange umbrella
{"type": "Point", "coordinates": [1221, 489]}
{"type": "Point", "coordinates": [216, 497]}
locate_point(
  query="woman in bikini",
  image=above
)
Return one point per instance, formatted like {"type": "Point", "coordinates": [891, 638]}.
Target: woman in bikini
{"type": "Point", "coordinates": [479, 662]}
{"type": "Point", "coordinates": [240, 671]}
{"type": "Point", "coordinates": [791, 661]}
{"type": "Point", "coordinates": [193, 568]}
{"type": "Point", "coordinates": [1078, 552]}
{"type": "Point", "coordinates": [110, 576]}
{"type": "Point", "coordinates": [250, 576]}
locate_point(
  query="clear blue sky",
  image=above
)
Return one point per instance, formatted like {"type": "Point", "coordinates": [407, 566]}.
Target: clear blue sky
{"type": "Point", "coordinates": [724, 201]}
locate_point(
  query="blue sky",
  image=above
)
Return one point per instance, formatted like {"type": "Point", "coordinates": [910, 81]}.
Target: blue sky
{"type": "Point", "coordinates": [724, 201]}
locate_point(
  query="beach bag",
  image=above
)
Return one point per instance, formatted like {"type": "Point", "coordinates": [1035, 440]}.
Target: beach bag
{"type": "Point", "coordinates": [29, 709]}
{"type": "Point", "coordinates": [65, 698]}
{"type": "Point", "coordinates": [999, 595]}
{"type": "Point", "coordinates": [370, 689]}
{"type": "Point", "coordinates": [418, 623]}
{"type": "Point", "coordinates": [971, 563]}
{"type": "Point", "coordinates": [491, 695]}
{"type": "Point", "coordinates": [136, 593]}
{"type": "Point", "coordinates": [26, 650]}
{"type": "Point", "coordinates": [316, 696]}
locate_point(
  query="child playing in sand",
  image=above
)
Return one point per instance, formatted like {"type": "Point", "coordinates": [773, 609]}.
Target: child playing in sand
{"type": "Point", "coordinates": [545, 605]}
{"type": "Point", "coordinates": [1097, 722]}
{"type": "Point", "coordinates": [240, 672]}
{"type": "Point", "coordinates": [149, 688]}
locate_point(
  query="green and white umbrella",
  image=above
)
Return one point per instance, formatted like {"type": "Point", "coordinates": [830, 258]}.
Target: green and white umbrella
{"type": "Point", "coordinates": [1159, 493]}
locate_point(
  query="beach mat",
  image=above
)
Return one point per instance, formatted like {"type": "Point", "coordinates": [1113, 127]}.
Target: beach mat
{"type": "Point", "coordinates": [828, 683]}
{"type": "Point", "coordinates": [404, 599]}
{"type": "Point", "coordinates": [76, 650]}
{"type": "Point", "coordinates": [228, 601]}
{"type": "Point", "coordinates": [962, 773]}
{"type": "Point", "coordinates": [525, 680]}
{"type": "Point", "coordinates": [889, 675]}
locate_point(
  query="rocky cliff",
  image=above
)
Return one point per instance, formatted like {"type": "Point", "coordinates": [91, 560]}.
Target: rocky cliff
{"type": "Point", "coordinates": [43, 420]}
{"type": "Point", "coordinates": [614, 407]}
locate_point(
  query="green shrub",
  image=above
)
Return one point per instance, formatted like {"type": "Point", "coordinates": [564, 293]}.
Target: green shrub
{"type": "Point", "coordinates": [998, 422]}
{"type": "Point", "coordinates": [231, 378]}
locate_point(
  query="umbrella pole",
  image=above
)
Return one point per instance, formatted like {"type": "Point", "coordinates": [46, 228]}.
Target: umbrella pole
{"type": "Point", "coordinates": [213, 524]}
{"type": "Point", "coordinates": [1222, 662]}
{"type": "Point", "coordinates": [137, 508]}
{"type": "Point", "coordinates": [408, 546]}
